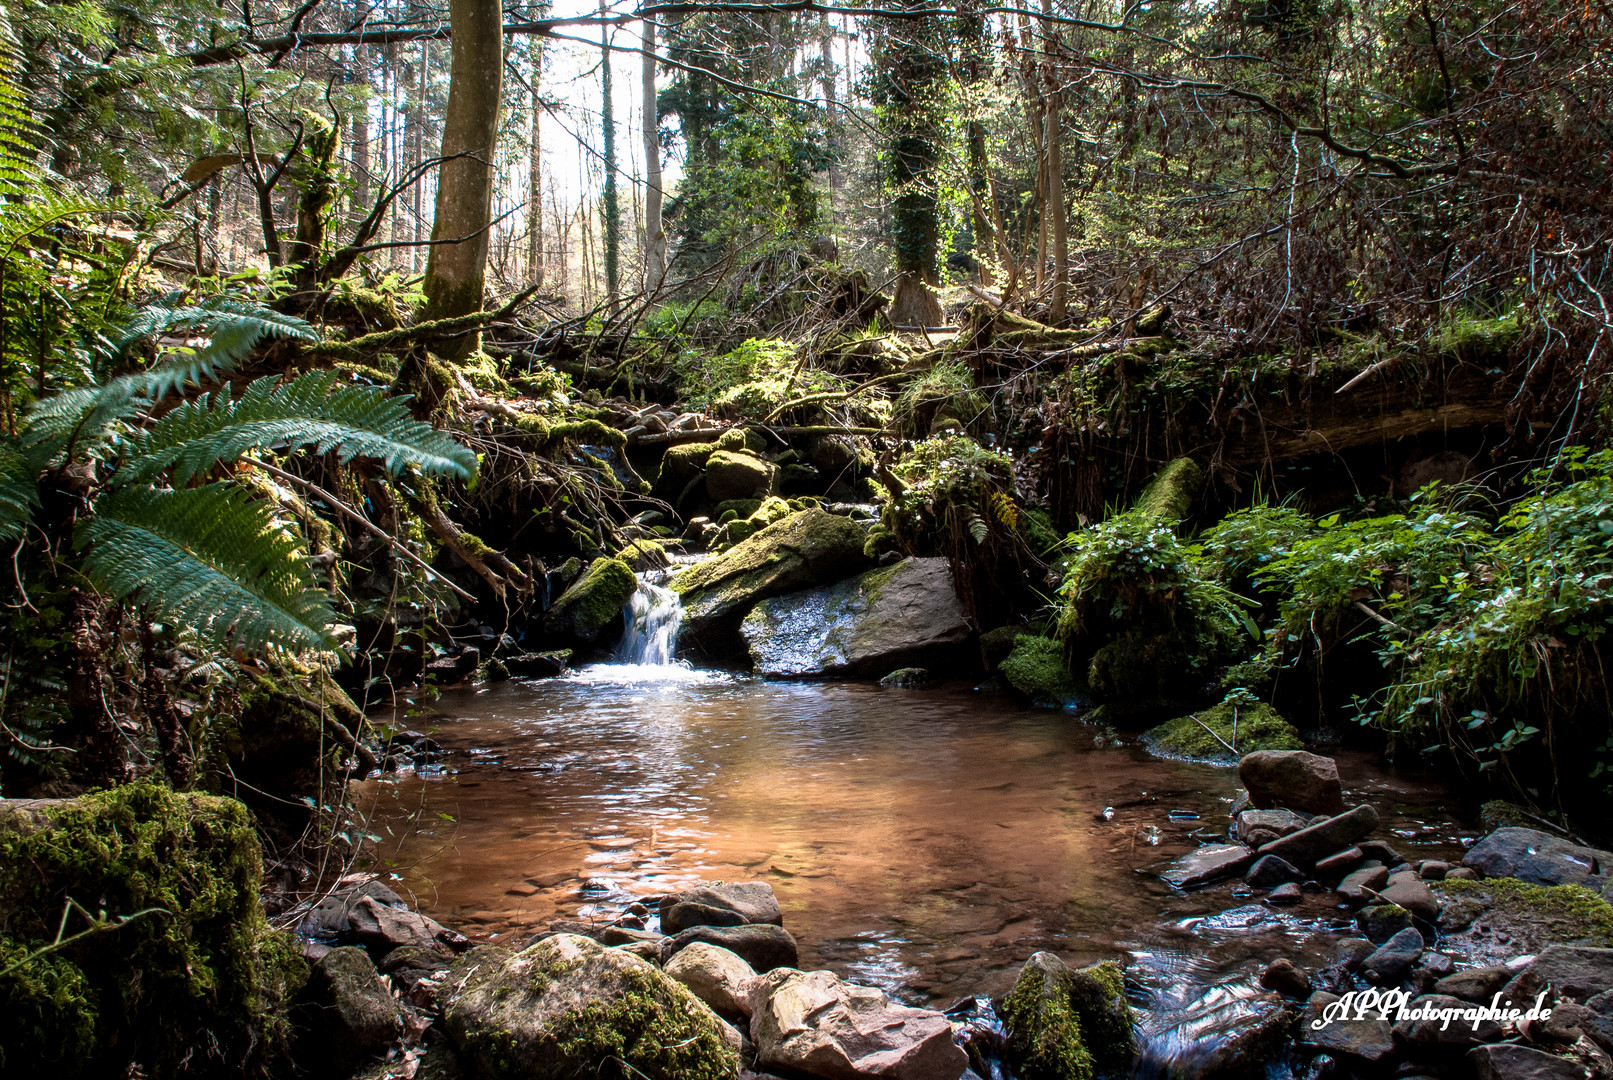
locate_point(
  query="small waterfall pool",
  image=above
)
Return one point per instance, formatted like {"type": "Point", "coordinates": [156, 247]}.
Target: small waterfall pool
{"type": "Point", "coordinates": [648, 650]}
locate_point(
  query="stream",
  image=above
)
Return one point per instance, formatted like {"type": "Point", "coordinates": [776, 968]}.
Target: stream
{"type": "Point", "coordinates": [926, 842]}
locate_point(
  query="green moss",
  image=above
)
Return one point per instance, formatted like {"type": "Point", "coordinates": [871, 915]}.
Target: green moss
{"type": "Point", "coordinates": [200, 978]}
{"type": "Point", "coordinates": [949, 482]}
{"type": "Point", "coordinates": [996, 644]}
{"type": "Point", "coordinates": [770, 510]}
{"type": "Point", "coordinates": [1044, 1034]}
{"type": "Point", "coordinates": [1540, 915]}
{"type": "Point", "coordinates": [1035, 667]}
{"type": "Point", "coordinates": [593, 603]}
{"type": "Point", "coordinates": [743, 508]}
{"type": "Point", "coordinates": [636, 1027]}
{"type": "Point", "coordinates": [1039, 532]}
{"type": "Point", "coordinates": [1167, 498]}
{"type": "Point", "coordinates": [680, 465]}
{"type": "Point", "coordinates": [1259, 727]}
{"type": "Point", "coordinates": [1479, 341]}
{"type": "Point", "coordinates": [482, 372]}
{"type": "Point", "coordinates": [742, 439]}
{"type": "Point", "coordinates": [1098, 996]}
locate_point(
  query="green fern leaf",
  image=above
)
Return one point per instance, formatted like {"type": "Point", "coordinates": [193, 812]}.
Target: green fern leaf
{"type": "Point", "coordinates": [19, 491]}
{"type": "Point", "coordinates": [233, 327]}
{"type": "Point", "coordinates": [310, 410]}
{"type": "Point", "coordinates": [212, 558]}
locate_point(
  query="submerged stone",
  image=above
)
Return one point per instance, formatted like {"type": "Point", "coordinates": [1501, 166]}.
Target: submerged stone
{"type": "Point", "coordinates": [1212, 862]}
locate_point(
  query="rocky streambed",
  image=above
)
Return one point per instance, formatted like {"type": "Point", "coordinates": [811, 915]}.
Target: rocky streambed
{"type": "Point", "coordinates": [1496, 961]}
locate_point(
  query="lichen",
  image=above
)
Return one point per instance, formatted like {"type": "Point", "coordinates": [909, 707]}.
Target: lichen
{"type": "Point", "coordinates": [1035, 667]}
{"type": "Point", "coordinates": [1540, 915]}
{"type": "Point", "coordinates": [1237, 730]}
{"type": "Point", "coordinates": [198, 976]}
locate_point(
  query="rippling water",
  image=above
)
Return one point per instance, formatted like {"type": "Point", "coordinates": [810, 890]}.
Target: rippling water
{"type": "Point", "coordinates": [925, 841]}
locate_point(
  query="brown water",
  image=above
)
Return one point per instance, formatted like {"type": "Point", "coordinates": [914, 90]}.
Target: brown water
{"type": "Point", "coordinates": [925, 841]}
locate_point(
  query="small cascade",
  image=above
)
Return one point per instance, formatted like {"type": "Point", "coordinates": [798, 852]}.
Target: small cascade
{"type": "Point", "coordinates": [651, 637]}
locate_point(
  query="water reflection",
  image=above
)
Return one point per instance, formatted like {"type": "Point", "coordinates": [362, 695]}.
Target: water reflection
{"type": "Point", "coordinates": [923, 841]}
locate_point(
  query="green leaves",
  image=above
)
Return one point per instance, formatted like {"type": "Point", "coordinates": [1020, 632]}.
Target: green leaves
{"type": "Point", "coordinates": [19, 493]}
{"type": "Point", "coordinates": [352, 421]}
{"type": "Point", "coordinates": [233, 328]}
{"type": "Point", "coordinates": [210, 558]}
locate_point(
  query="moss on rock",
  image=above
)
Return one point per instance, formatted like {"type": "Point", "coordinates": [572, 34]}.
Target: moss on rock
{"type": "Point", "coordinates": [1035, 667]}
{"type": "Point", "coordinates": [680, 465]}
{"type": "Point", "coordinates": [184, 974]}
{"type": "Point", "coordinates": [1536, 916]}
{"type": "Point", "coordinates": [735, 474]}
{"type": "Point", "coordinates": [593, 604]}
{"type": "Point", "coordinates": [1068, 1024]}
{"type": "Point", "coordinates": [1237, 730]}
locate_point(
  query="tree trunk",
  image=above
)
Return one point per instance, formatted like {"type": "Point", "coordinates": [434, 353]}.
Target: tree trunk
{"type": "Point", "coordinates": [913, 72]}
{"type": "Point", "coordinates": [534, 191]}
{"type": "Point", "coordinates": [417, 155]}
{"type": "Point", "coordinates": [1054, 207]}
{"type": "Point", "coordinates": [457, 268]}
{"type": "Point", "coordinates": [654, 237]}
{"type": "Point", "coordinates": [612, 207]}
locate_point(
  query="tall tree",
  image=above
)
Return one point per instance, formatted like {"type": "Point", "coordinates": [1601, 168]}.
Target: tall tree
{"type": "Point", "coordinates": [654, 236]}
{"type": "Point", "coordinates": [534, 191]}
{"type": "Point", "coordinates": [1053, 143]}
{"type": "Point", "coordinates": [613, 209]}
{"type": "Point", "coordinates": [457, 268]}
{"type": "Point", "coordinates": [911, 68]}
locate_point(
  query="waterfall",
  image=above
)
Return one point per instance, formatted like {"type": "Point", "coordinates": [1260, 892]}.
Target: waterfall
{"type": "Point", "coordinates": [651, 638]}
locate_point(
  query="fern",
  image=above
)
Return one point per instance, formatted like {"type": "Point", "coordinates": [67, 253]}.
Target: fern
{"type": "Point", "coordinates": [212, 558]}
{"type": "Point", "coordinates": [234, 327]}
{"type": "Point", "coordinates": [19, 493]}
{"type": "Point", "coordinates": [350, 420]}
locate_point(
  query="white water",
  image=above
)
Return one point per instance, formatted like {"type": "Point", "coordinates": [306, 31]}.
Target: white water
{"type": "Point", "coordinates": [649, 645]}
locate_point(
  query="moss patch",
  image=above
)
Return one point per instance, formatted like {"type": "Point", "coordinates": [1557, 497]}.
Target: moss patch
{"type": "Point", "coordinates": [1068, 1025]}
{"type": "Point", "coordinates": [1539, 915]}
{"type": "Point", "coordinates": [203, 978]}
{"type": "Point", "coordinates": [1035, 667]}
{"type": "Point", "coordinates": [1167, 498]}
{"type": "Point", "coordinates": [1258, 727]}
{"type": "Point", "coordinates": [593, 604]}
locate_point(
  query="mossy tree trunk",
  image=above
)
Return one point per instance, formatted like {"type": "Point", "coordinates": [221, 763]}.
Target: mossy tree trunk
{"type": "Point", "coordinates": [612, 206]}
{"type": "Point", "coordinates": [457, 268]}
{"type": "Point", "coordinates": [913, 66]}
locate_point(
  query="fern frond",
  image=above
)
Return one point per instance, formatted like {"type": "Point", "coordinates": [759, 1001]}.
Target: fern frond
{"type": "Point", "coordinates": [19, 491]}
{"type": "Point", "coordinates": [211, 558]}
{"type": "Point", "coordinates": [233, 327]}
{"type": "Point", "coordinates": [351, 420]}
{"type": "Point", "coordinates": [78, 422]}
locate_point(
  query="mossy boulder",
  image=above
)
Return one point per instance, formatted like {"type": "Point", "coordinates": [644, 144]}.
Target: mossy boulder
{"type": "Point", "coordinates": [182, 972]}
{"type": "Point", "coordinates": [1532, 917]}
{"type": "Point", "coordinates": [729, 509]}
{"type": "Point", "coordinates": [680, 465]}
{"type": "Point", "coordinates": [770, 510]}
{"type": "Point", "coordinates": [590, 611]}
{"type": "Point", "coordinates": [809, 548]}
{"type": "Point", "coordinates": [996, 644]}
{"type": "Point", "coordinates": [283, 737]}
{"type": "Point", "coordinates": [1068, 1024]}
{"type": "Point", "coordinates": [569, 1007]}
{"type": "Point", "coordinates": [735, 474]}
{"type": "Point", "coordinates": [1035, 667]}
{"type": "Point", "coordinates": [742, 439]}
{"type": "Point", "coordinates": [1233, 731]}
{"type": "Point", "coordinates": [1166, 499]}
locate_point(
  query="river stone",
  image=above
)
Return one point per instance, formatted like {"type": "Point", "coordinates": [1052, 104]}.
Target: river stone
{"type": "Point", "coordinates": [809, 1022]}
{"type": "Point", "coordinates": [1212, 862]}
{"type": "Point", "coordinates": [720, 904]}
{"type": "Point", "coordinates": [380, 927]}
{"type": "Point", "coordinates": [1475, 984]}
{"type": "Point", "coordinates": [1276, 822]}
{"type": "Point", "coordinates": [1228, 1038]}
{"type": "Point", "coordinates": [1057, 1015]}
{"type": "Point", "coordinates": [1578, 971]}
{"type": "Point", "coordinates": [1270, 870]}
{"type": "Point", "coordinates": [811, 548]}
{"type": "Point", "coordinates": [764, 946]}
{"type": "Point", "coordinates": [1390, 962]}
{"type": "Point", "coordinates": [1440, 1035]}
{"type": "Point", "coordinates": [1295, 779]}
{"type": "Point", "coordinates": [1509, 1061]}
{"type": "Point", "coordinates": [885, 618]}
{"type": "Point", "coordinates": [590, 612]}
{"type": "Point", "coordinates": [1322, 838]}
{"type": "Point", "coordinates": [1285, 894]}
{"type": "Point", "coordinates": [566, 1005]}
{"type": "Point", "coordinates": [735, 474]}
{"type": "Point", "coordinates": [1380, 922]}
{"type": "Point", "coordinates": [1407, 890]}
{"type": "Point", "coordinates": [346, 1013]}
{"type": "Point", "coordinates": [715, 976]}
{"type": "Point", "coordinates": [1539, 858]}
{"type": "Point", "coordinates": [1287, 978]}
{"type": "Point", "coordinates": [1339, 863]}
{"type": "Point", "coordinates": [1369, 1040]}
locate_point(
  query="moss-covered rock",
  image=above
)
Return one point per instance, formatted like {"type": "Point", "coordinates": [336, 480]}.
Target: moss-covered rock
{"type": "Point", "coordinates": [680, 465]}
{"type": "Point", "coordinates": [183, 966]}
{"type": "Point", "coordinates": [591, 609]}
{"type": "Point", "coordinates": [1234, 730]}
{"type": "Point", "coordinates": [809, 548]}
{"type": "Point", "coordinates": [735, 474]}
{"type": "Point", "coordinates": [996, 644]}
{"type": "Point", "coordinates": [1035, 667]}
{"type": "Point", "coordinates": [569, 1007]}
{"type": "Point", "coordinates": [1066, 1024]}
{"type": "Point", "coordinates": [770, 510]}
{"type": "Point", "coordinates": [729, 509]}
{"type": "Point", "coordinates": [742, 439]}
{"type": "Point", "coordinates": [1167, 498]}
{"type": "Point", "coordinates": [1535, 916]}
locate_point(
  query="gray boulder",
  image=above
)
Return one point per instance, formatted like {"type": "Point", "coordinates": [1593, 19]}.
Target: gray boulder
{"type": "Point", "coordinates": [1368, 1041]}
{"type": "Point", "coordinates": [346, 1014]}
{"type": "Point", "coordinates": [1271, 870]}
{"type": "Point", "coordinates": [716, 976]}
{"type": "Point", "coordinates": [1507, 1061]}
{"type": "Point", "coordinates": [1294, 779]}
{"type": "Point", "coordinates": [1479, 984]}
{"type": "Point", "coordinates": [886, 618]}
{"type": "Point", "coordinates": [1539, 858]}
{"type": "Point", "coordinates": [764, 946]}
{"type": "Point", "coordinates": [568, 1005]}
{"type": "Point", "coordinates": [1578, 971]}
{"type": "Point", "coordinates": [1252, 823]}
{"type": "Point", "coordinates": [1389, 964]}
{"type": "Point", "coordinates": [1407, 890]}
{"type": "Point", "coordinates": [812, 1023]}
{"type": "Point", "coordinates": [1321, 838]}
{"type": "Point", "coordinates": [1447, 1033]}
{"type": "Point", "coordinates": [720, 904]}
{"type": "Point", "coordinates": [1360, 886]}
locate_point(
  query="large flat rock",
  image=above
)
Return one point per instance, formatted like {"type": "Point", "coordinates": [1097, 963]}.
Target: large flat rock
{"type": "Point", "coordinates": [1539, 858]}
{"type": "Point", "coordinates": [867, 625]}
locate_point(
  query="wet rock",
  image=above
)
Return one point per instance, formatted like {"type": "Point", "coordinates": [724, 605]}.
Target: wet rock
{"type": "Point", "coordinates": [1321, 838]}
{"type": "Point", "coordinates": [1598, 1025]}
{"type": "Point", "coordinates": [1407, 890]}
{"type": "Point", "coordinates": [1445, 1032]}
{"type": "Point", "coordinates": [1271, 870]}
{"type": "Point", "coordinates": [1369, 1040]}
{"type": "Point", "coordinates": [720, 904]}
{"type": "Point", "coordinates": [1339, 863]}
{"type": "Point", "coordinates": [419, 972]}
{"type": "Point", "coordinates": [1294, 779]}
{"type": "Point", "coordinates": [1278, 823]}
{"type": "Point", "coordinates": [567, 1005]}
{"type": "Point", "coordinates": [736, 474]}
{"type": "Point", "coordinates": [1352, 951]}
{"type": "Point", "coordinates": [1067, 1022]}
{"type": "Point", "coordinates": [446, 670]}
{"type": "Point", "coordinates": [1212, 862]}
{"type": "Point", "coordinates": [1578, 971]}
{"type": "Point", "coordinates": [716, 976]}
{"type": "Point", "coordinates": [1433, 869]}
{"type": "Point", "coordinates": [1393, 959]}
{"type": "Point", "coordinates": [1538, 858]}
{"type": "Point", "coordinates": [1461, 873]}
{"type": "Point", "coordinates": [1564, 1025]}
{"type": "Point", "coordinates": [807, 549]}
{"type": "Point", "coordinates": [1360, 886]}
{"type": "Point", "coordinates": [910, 678]}
{"type": "Point", "coordinates": [346, 1014]}
{"type": "Point", "coordinates": [1287, 978]}
{"type": "Point", "coordinates": [867, 625]}
{"type": "Point", "coordinates": [627, 935]}
{"type": "Point", "coordinates": [1284, 895]}
{"type": "Point", "coordinates": [538, 665]}
{"type": "Point", "coordinates": [763, 947]}
{"type": "Point", "coordinates": [590, 612]}
{"type": "Point", "coordinates": [1381, 852]}
{"type": "Point", "coordinates": [1250, 1039]}
{"type": "Point", "coordinates": [1380, 922]}
{"type": "Point", "coordinates": [1437, 965]}
{"type": "Point", "coordinates": [380, 928]}
{"type": "Point", "coordinates": [1507, 1061]}
{"type": "Point", "coordinates": [812, 1023]}
{"type": "Point", "coordinates": [1478, 984]}
{"type": "Point", "coordinates": [1459, 913]}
